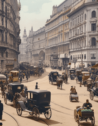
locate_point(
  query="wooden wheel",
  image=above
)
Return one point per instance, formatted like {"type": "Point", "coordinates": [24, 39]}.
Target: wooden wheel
{"type": "Point", "coordinates": [93, 121]}
{"type": "Point", "coordinates": [36, 113]}
{"type": "Point", "coordinates": [48, 113]}
{"type": "Point", "coordinates": [19, 109]}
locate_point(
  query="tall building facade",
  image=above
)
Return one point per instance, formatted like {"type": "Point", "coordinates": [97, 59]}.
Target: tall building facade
{"type": "Point", "coordinates": [29, 46]}
{"type": "Point", "coordinates": [22, 48]}
{"type": "Point", "coordinates": [9, 33]}
{"type": "Point", "coordinates": [57, 35]}
{"type": "Point", "coordinates": [83, 35]}
{"type": "Point", "coordinates": [38, 46]}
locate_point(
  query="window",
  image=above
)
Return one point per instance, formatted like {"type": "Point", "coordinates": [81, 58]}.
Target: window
{"type": "Point", "coordinates": [93, 14]}
{"type": "Point", "coordinates": [93, 42]}
{"type": "Point", "coordinates": [2, 54]}
{"type": "Point", "coordinates": [85, 16]}
{"type": "Point", "coordinates": [93, 56]}
{"type": "Point", "coordinates": [6, 54]}
{"type": "Point", "coordinates": [28, 95]}
{"type": "Point", "coordinates": [93, 27]}
{"type": "Point", "coordinates": [84, 56]}
{"type": "Point", "coordinates": [2, 5]}
{"type": "Point", "coordinates": [2, 36]}
{"type": "Point", "coordinates": [2, 21]}
{"type": "Point", "coordinates": [71, 57]}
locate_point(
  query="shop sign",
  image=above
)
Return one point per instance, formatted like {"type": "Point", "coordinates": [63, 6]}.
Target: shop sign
{"type": "Point", "coordinates": [62, 55]}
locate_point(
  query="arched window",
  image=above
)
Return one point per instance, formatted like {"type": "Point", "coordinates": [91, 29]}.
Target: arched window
{"type": "Point", "coordinates": [93, 42]}
{"type": "Point", "coordinates": [93, 14]}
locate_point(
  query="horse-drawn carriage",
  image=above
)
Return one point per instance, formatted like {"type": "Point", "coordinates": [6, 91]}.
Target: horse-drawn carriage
{"type": "Point", "coordinates": [13, 76]}
{"type": "Point", "coordinates": [38, 102]}
{"type": "Point", "coordinates": [85, 76]}
{"type": "Point", "coordinates": [94, 91]}
{"type": "Point", "coordinates": [53, 77]}
{"type": "Point", "coordinates": [84, 114]}
{"type": "Point", "coordinates": [72, 74]}
{"type": "Point", "coordinates": [78, 76]}
{"type": "Point", "coordinates": [11, 91]}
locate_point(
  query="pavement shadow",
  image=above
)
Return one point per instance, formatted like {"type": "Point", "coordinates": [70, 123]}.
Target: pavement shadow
{"type": "Point", "coordinates": [43, 120]}
{"type": "Point", "coordinates": [86, 124]}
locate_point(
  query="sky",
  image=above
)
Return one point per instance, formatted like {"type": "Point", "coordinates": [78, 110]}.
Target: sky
{"type": "Point", "coordinates": [34, 13]}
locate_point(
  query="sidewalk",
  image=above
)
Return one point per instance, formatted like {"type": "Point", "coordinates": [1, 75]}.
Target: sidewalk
{"type": "Point", "coordinates": [8, 120]}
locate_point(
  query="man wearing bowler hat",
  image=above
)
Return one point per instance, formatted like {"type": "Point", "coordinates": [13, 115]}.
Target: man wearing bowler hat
{"type": "Point", "coordinates": [1, 110]}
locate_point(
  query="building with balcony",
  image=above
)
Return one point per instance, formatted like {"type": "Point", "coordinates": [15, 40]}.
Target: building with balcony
{"type": "Point", "coordinates": [57, 35]}
{"type": "Point", "coordinates": [83, 32]}
{"type": "Point", "coordinates": [9, 33]}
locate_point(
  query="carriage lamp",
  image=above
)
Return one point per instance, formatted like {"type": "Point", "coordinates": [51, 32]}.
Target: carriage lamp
{"type": "Point", "coordinates": [0, 124]}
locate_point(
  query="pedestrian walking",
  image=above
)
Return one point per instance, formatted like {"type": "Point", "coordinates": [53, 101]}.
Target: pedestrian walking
{"type": "Point", "coordinates": [27, 77]}
{"type": "Point", "coordinates": [36, 86]}
{"type": "Point", "coordinates": [1, 110]}
{"type": "Point", "coordinates": [25, 90]}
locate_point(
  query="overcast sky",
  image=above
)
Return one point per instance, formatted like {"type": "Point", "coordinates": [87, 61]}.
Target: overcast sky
{"type": "Point", "coordinates": [34, 13]}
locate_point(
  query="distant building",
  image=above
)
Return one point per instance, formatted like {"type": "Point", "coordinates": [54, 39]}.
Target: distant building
{"type": "Point", "coordinates": [9, 33]}
{"type": "Point", "coordinates": [22, 48]}
{"type": "Point", "coordinates": [29, 46]}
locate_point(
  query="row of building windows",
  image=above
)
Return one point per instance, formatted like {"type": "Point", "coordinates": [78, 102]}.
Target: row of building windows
{"type": "Point", "coordinates": [81, 56]}
{"type": "Point", "coordinates": [2, 54]}
{"type": "Point", "coordinates": [79, 19]}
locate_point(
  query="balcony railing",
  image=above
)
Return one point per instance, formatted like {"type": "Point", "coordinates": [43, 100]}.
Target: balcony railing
{"type": "Point", "coordinates": [7, 45]}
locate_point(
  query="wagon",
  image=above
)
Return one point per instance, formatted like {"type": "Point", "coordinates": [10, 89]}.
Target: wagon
{"type": "Point", "coordinates": [84, 114]}
{"type": "Point", "coordinates": [53, 77]}
{"type": "Point", "coordinates": [11, 90]}
{"type": "Point", "coordinates": [38, 102]}
{"type": "Point", "coordinates": [94, 91]}
{"type": "Point", "coordinates": [74, 96]}
{"type": "Point", "coordinates": [72, 74]}
{"type": "Point", "coordinates": [85, 76]}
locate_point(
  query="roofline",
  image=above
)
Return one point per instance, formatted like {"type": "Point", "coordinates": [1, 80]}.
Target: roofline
{"type": "Point", "coordinates": [80, 7]}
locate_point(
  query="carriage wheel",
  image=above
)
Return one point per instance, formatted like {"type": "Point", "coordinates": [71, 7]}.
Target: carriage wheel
{"type": "Point", "coordinates": [19, 110]}
{"type": "Point", "coordinates": [75, 115]}
{"type": "Point", "coordinates": [93, 121]}
{"type": "Point", "coordinates": [36, 113]}
{"type": "Point", "coordinates": [5, 99]}
{"type": "Point", "coordinates": [78, 122]}
{"type": "Point", "coordinates": [91, 95]}
{"type": "Point", "coordinates": [48, 113]}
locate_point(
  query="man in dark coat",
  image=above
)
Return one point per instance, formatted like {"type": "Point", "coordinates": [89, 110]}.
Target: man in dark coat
{"type": "Point", "coordinates": [1, 110]}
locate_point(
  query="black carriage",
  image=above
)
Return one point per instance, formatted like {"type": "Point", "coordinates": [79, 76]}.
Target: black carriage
{"type": "Point", "coordinates": [11, 90]}
{"type": "Point", "coordinates": [72, 74]}
{"type": "Point", "coordinates": [74, 96]}
{"type": "Point", "coordinates": [78, 76]}
{"type": "Point", "coordinates": [38, 102]}
{"type": "Point", "coordinates": [53, 77]}
{"type": "Point", "coordinates": [94, 91]}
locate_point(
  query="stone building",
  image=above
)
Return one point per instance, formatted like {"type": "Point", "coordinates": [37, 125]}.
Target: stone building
{"type": "Point", "coordinates": [29, 47]}
{"type": "Point", "coordinates": [9, 33]}
{"type": "Point", "coordinates": [38, 46]}
{"type": "Point", "coordinates": [22, 48]}
{"type": "Point", "coordinates": [57, 35]}
{"type": "Point", "coordinates": [83, 35]}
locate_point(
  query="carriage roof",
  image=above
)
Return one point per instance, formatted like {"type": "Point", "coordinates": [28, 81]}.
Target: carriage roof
{"type": "Point", "coordinates": [38, 91]}
{"type": "Point", "coordinates": [15, 84]}
{"type": "Point", "coordinates": [2, 76]}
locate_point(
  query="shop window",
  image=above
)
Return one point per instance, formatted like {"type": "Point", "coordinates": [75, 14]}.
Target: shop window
{"type": "Point", "coordinates": [93, 14]}
{"type": "Point", "coordinates": [93, 56]}
{"type": "Point", "coordinates": [93, 42]}
{"type": "Point", "coordinates": [84, 56]}
{"type": "Point", "coordinates": [93, 27]}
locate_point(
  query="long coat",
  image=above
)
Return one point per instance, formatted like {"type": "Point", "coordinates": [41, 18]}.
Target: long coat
{"type": "Point", "coordinates": [1, 108]}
